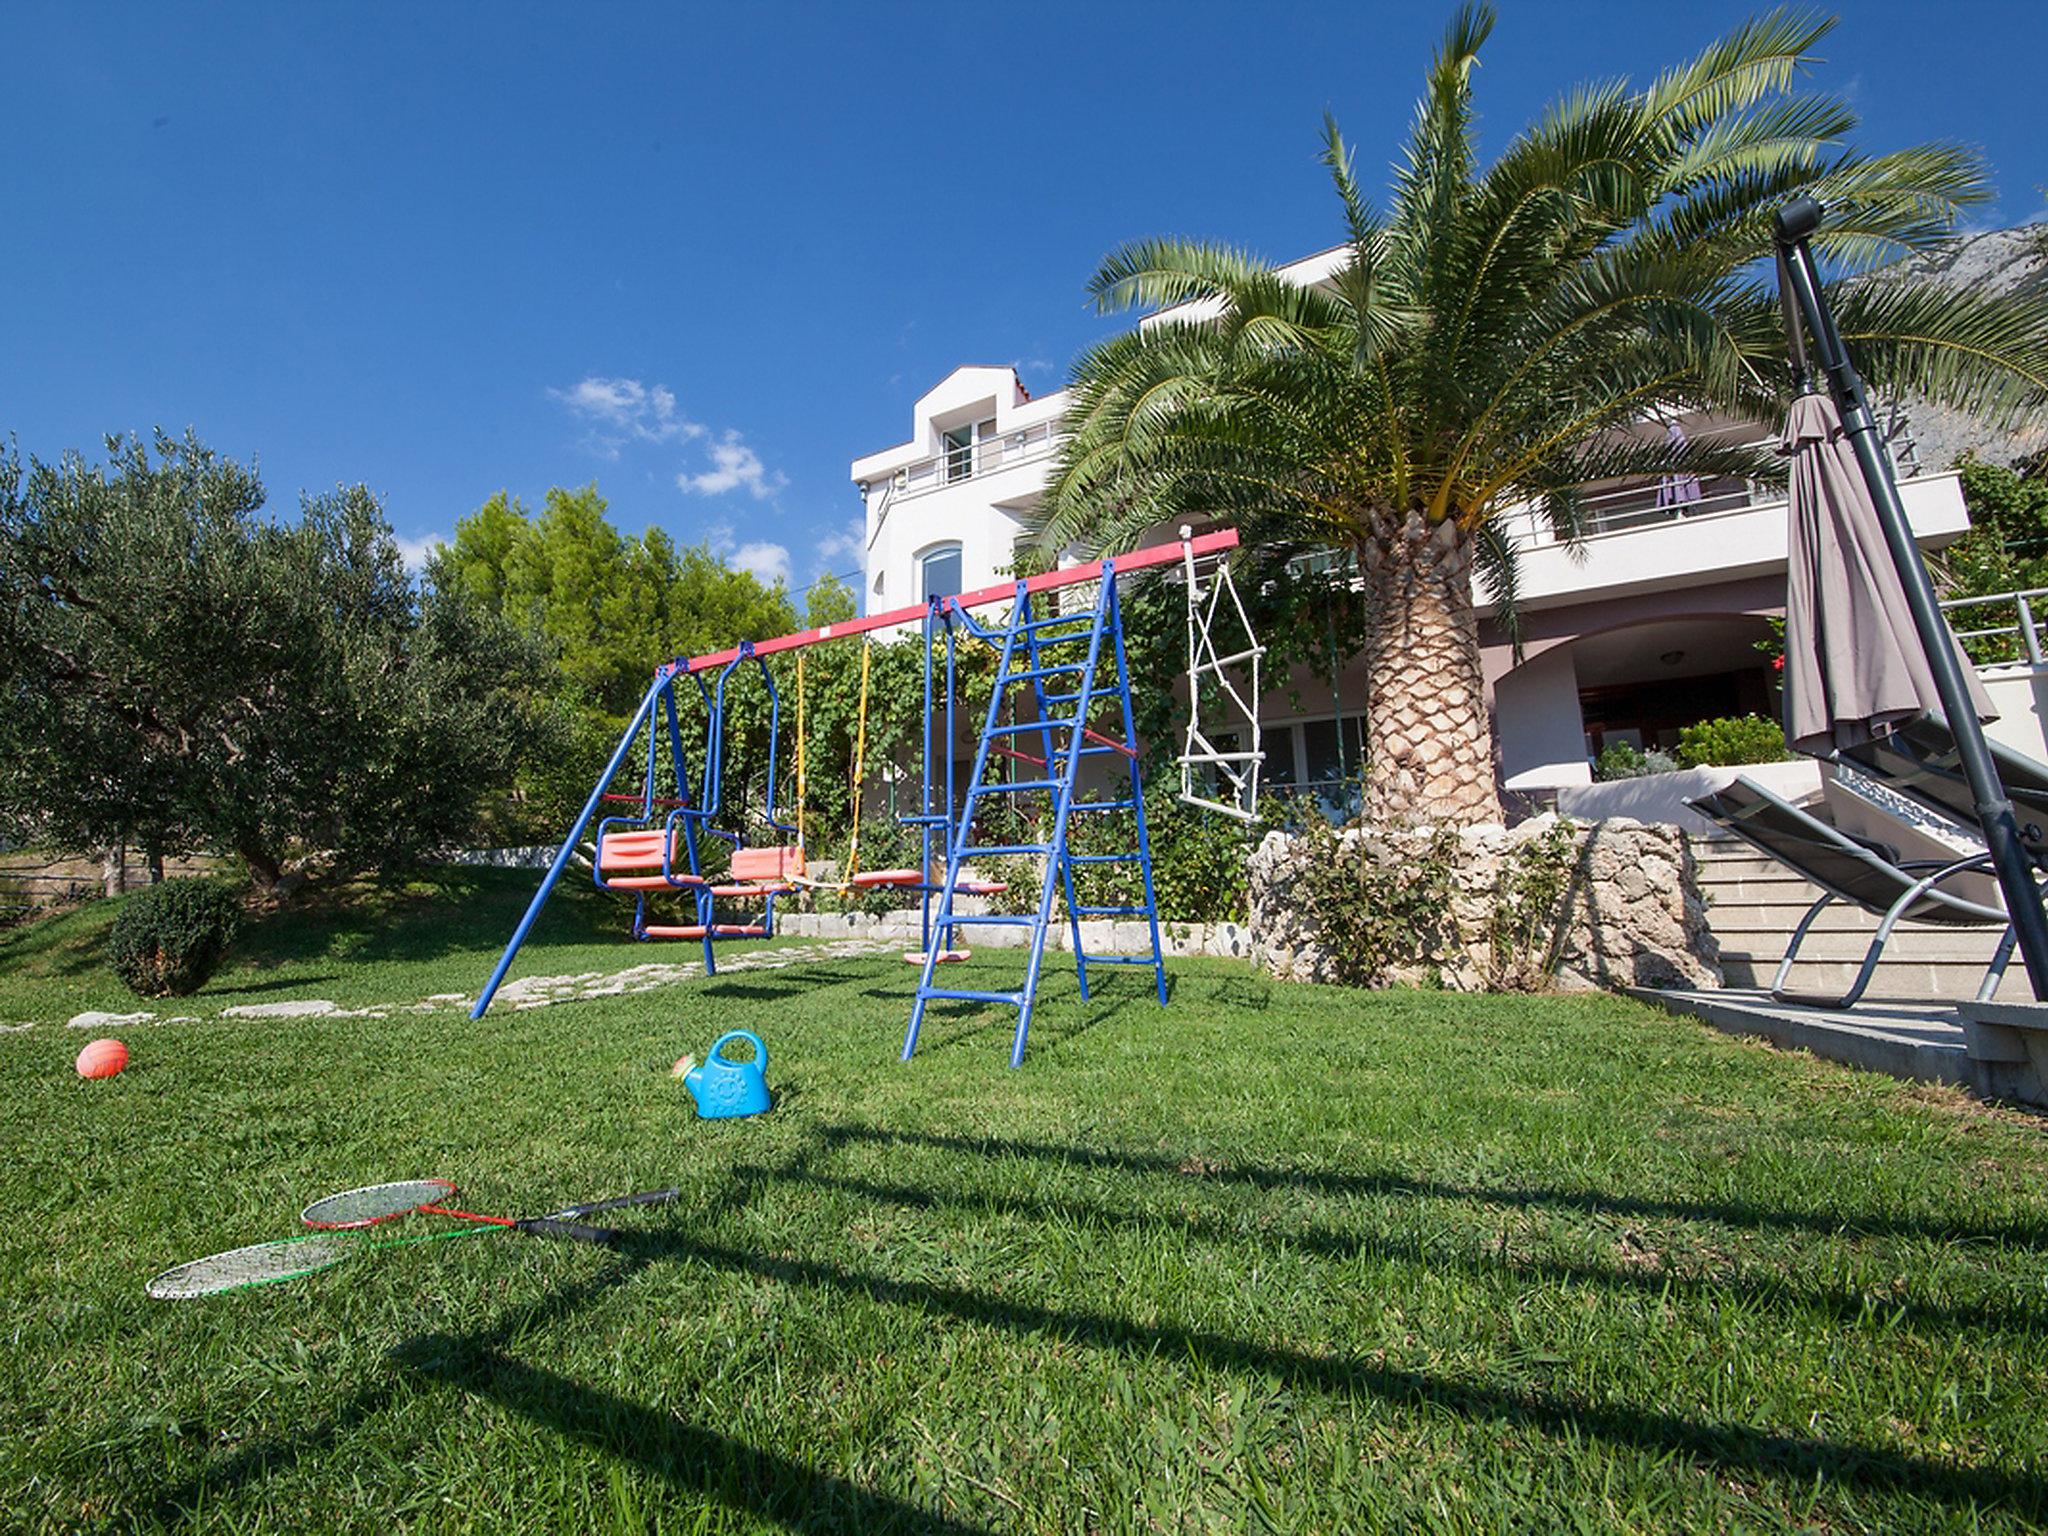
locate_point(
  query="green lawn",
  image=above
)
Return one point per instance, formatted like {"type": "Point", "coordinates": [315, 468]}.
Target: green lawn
{"type": "Point", "coordinates": [1278, 1258]}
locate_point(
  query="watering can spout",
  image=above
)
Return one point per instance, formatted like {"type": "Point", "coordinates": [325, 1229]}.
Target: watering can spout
{"type": "Point", "coordinates": [724, 1088]}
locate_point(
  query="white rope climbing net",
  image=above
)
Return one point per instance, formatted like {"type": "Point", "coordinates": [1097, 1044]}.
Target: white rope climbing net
{"type": "Point", "coordinates": [1220, 778]}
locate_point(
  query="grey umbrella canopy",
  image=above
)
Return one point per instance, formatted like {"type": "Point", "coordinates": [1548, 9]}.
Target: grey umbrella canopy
{"type": "Point", "coordinates": [1854, 667]}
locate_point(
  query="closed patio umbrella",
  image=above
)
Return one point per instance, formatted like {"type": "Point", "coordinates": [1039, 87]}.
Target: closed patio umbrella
{"type": "Point", "coordinates": [1854, 665]}
{"type": "Point", "coordinates": [1938, 665]}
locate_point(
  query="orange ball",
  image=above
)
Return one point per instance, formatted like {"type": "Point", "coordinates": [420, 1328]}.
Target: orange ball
{"type": "Point", "coordinates": [102, 1058]}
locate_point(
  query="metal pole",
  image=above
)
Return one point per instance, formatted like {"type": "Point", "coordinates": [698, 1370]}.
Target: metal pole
{"type": "Point", "coordinates": [547, 884]}
{"type": "Point", "coordinates": [1794, 224]}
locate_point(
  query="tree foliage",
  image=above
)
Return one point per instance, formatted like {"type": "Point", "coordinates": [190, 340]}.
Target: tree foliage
{"type": "Point", "coordinates": [2006, 550]}
{"type": "Point", "coordinates": [181, 673]}
{"type": "Point", "coordinates": [1489, 340]}
{"type": "Point", "coordinates": [610, 607]}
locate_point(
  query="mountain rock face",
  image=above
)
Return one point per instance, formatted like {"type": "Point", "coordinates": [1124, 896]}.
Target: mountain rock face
{"type": "Point", "coordinates": [2004, 261]}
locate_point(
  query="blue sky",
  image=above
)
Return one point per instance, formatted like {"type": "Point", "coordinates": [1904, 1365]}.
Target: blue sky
{"type": "Point", "coordinates": [705, 257]}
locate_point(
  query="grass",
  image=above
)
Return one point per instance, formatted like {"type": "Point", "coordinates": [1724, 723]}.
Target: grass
{"type": "Point", "coordinates": [1278, 1258]}
{"type": "Point", "coordinates": [362, 943]}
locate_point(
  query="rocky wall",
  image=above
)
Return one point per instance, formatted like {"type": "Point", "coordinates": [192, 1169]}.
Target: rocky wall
{"type": "Point", "coordinates": [1630, 912]}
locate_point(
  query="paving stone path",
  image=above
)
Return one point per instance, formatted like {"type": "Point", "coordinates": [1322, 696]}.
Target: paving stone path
{"type": "Point", "coordinates": [524, 992]}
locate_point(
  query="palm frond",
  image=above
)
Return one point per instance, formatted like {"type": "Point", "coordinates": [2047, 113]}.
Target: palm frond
{"type": "Point", "coordinates": [1757, 59]}
{"type": "Point", "coordinates": [1157, 273]}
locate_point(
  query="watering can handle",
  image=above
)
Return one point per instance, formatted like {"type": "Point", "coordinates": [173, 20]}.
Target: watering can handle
{"type": "Point", "coordinates": [760, 1050]}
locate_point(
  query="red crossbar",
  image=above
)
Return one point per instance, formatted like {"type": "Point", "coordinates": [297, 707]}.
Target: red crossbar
{"type": "Point", "coordinates": [1070, 576]}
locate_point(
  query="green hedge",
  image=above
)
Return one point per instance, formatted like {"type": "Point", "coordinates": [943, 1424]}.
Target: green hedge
{"type": "Point", "coordinates": [167, 940]}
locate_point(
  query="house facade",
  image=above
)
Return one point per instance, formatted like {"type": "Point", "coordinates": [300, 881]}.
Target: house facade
{"type": "Point", "coordinates": [1651, 624]}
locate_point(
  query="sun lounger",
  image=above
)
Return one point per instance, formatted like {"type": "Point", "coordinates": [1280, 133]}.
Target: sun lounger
{"type": "Point", "coordinates": [1862, 872]}
{"type": "Point", "coordinates": [1919, 761]}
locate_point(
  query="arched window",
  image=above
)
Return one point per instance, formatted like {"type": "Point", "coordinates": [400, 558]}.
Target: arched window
{"type": "Point", "coordinates": [938, 571]}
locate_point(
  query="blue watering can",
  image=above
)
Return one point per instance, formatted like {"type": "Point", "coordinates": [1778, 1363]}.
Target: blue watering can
{"type": "Point", "coordinates": [724, 1088]}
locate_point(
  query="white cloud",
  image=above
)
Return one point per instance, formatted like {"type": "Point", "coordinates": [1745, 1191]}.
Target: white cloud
{"type": "Point", "coordinates": [620, 409]}
{"type": "Point", "coordinates": [846, 546]}
{"type": "Point", "coordinates": [734, 466]}
{"type": "Point", "coordinates": [769, 562]}
{"type": "Point", "coordinates": [415, 552]}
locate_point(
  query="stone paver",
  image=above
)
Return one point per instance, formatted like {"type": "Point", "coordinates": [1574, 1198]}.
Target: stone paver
{"type": "Point", "coordinates": [522, 993]}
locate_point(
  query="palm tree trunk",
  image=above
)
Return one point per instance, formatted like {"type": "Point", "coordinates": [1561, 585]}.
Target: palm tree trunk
{"type": "Point", "coordinates": [1428, 741]}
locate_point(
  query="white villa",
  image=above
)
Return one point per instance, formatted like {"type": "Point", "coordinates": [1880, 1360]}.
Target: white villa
{"type": "Point", "coordinates": [1651, 627]}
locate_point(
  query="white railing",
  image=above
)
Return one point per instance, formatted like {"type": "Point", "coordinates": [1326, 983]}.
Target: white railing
{"type": "Point", "coordinates": [1006, 450]}
{"type": "Point", "coordinates": [1651, 501]}
{"type": "Point", "coordinates": [2021, 637]}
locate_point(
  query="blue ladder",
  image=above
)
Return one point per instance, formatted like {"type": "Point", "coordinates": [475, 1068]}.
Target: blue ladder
{"type": "Point", "coordinates": [1068, 648]}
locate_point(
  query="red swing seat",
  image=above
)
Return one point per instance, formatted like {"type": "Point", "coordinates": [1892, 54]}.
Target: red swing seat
{"type": "Point", "coordinates": [764, 871]}
{"type": "Point", "coordinates": [698, 931]}
{"type": "Point", "coordinates": [638, 858]}
{"type": "Point", "coordinates": [869, 879]}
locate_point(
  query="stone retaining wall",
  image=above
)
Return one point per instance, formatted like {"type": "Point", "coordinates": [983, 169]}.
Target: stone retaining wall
{"type": "Point", "coordinates": [1631, 913]}
{"type": "Point", "coordinates": [1098, 937]}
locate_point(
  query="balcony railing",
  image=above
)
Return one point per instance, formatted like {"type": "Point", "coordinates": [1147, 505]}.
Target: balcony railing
{"type": "Point", "coordinates": [1006, 450]}
{"type": "Point", "coordinates": [1998, 643]}
{"type": "Point", "coordinates": [1609, 507]}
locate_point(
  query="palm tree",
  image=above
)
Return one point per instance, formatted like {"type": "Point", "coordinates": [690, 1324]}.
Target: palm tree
{"type": "Point", "coordinates": [1488, 341]}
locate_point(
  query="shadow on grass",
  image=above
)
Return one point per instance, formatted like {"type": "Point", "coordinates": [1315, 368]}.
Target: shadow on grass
{"type": "Point", "coordinates": [427, 916]}
{"type": "Point", "coordinates": [690, 1458]}
{"type": "Point", "coordinates": [745, 1477]}
{"type": "Point", "coordinates": [1591, 1201]}
{"type": "Point", "coordinates": [779, 984]}
{"type": "Point", "coordinates": [277, 984]}
{"type": "Point", "coordinates": [1845, 1306]}
{"type": "Point", "coordinates": [1803, 1462]}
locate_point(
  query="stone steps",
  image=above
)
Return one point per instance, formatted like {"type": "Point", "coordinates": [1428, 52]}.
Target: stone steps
{"type": "Point", "coordinates": [1753, 903]}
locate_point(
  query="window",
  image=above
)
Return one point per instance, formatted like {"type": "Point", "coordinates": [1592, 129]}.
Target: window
{"type": "Point", "coordinates": [939, 572]}
{"type": "Point", "coordinates": [961, 445]}
{"type": "Point", "coordinates": [959, 453]}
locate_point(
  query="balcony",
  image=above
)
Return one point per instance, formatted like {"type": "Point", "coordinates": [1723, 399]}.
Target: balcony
{"type": "Point", "coordinates": [1666, 531]}
{"type": "Point", "coordinates": [1007, 450]}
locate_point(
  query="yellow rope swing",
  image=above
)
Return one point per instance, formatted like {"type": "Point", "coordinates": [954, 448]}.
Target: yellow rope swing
{"type": "Point", "coordinates": [851, 876]}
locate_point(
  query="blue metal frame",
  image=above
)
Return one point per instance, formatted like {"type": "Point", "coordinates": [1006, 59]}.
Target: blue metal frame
{"type": "Point", "coordinates": [1067, 739]}
{"type": "Point", "coordinates": [662, 688]}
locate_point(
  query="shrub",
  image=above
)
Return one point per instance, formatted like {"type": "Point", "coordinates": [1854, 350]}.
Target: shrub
{"type": "Point", "coordinates": [169, 938]}
{"type": "Point", "coordinates": [1731, 742]}
{"type": "Point", "coordinates": [1619, 760]}
{"type": "Point", "coordinates": [1379, 915]}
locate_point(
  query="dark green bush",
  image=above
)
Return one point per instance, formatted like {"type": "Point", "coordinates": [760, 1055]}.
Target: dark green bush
{"type": "Point", "coordinates": [168, 939]}
{"type": "Point", "coordinates": [1731, 742]}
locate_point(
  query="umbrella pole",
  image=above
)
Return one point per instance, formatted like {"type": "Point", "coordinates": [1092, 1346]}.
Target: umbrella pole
{"type": "Point", "coordinates": [1795, 223]}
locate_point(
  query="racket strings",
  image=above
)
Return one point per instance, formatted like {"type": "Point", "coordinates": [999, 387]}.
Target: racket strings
{"type": "Point", "coordinates": [258, 1264]}
{"type": "Point", "coordinates": [375, 1202]}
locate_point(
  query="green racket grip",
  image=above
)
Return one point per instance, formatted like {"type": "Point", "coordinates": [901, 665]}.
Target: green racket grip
{"type": "Point", "coordinates": [575, 1231]}
{"type": "Point", "coordinates": [648, 1197]}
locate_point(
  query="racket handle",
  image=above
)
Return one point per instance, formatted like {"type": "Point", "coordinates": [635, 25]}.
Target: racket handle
{"type": "Point", "coordinates": [549, 1226]}
{"type": "Point", "coordinates": [648, 1197]}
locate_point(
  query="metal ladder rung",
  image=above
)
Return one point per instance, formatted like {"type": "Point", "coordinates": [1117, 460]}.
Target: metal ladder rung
{"type": "Point", "coordinates": [1102, 858]}
{"type": "Point", "coordinates": [994, 848]}
{"type": "Point", "coordinates": [1025, 677]}
{"type": "Point", "coordinates": [1034, 725]}
{"type": "Point", "coordinates": [1014, 999]}
{"type": "Point", "coordinates": [1086, 959]}
{"type": "Point", "coordinates": [987, 921]}
{"type": "Point", "coordinates": [1108, 911]}
{"type": "Point", "coordinates": [1103, 805]}
{"type": "Point", "coordinates": [1016, 786]}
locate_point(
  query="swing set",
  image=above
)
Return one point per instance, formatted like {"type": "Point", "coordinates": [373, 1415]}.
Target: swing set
{"type": "Point", "coordinates": [1062, 663]}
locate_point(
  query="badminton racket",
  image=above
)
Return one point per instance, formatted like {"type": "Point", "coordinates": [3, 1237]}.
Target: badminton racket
{"type": "Point", "coordinates": [343, 1219]}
